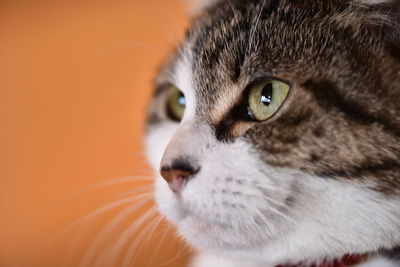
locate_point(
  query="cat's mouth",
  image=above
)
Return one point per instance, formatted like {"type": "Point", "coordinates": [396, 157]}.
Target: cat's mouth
{"type": "Point", "coordinates": [346, 261]}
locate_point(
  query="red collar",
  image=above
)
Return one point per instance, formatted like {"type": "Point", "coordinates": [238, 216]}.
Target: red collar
{"type": "Point", "coordinates": [345, 261]}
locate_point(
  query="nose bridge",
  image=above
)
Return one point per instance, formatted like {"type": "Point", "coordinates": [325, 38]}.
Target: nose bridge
{"type": "Point", "coordinates": [187, 143]}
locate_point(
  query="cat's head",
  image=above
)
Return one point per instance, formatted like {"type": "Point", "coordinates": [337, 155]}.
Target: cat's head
{"type": "Point", "coordinates": [276, 128]}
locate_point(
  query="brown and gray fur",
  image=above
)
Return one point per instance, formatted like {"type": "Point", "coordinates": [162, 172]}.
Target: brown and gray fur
{"type": "Point", "coordinates": [341, 120]}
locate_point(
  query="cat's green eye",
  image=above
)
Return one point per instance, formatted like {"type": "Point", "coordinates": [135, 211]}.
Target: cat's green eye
{"type": "Point", "coordinates": [265, 98]}
{"type": "Point", "coordinates": [176, 104]}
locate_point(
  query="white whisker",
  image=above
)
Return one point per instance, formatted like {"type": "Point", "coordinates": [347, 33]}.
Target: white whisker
{"type": "Point", "coordinates": [276, 202]}
{"type": "Point", "coordinates": [73, 248]}
{"type": "Point", "coordinates": [277, 211]}
{"type": "Point", "coordinates": [107, 229]}
{"type": "Point", "coordinates": [254, 225]}
{"type": "Point", "coordinates": [262, 216]}
{"type": "Point", "coordinates": [178, 255]}
{"type": "Point", "coordinates": [157, 248]}
{"type": "Point", "coordinates": [136, 246]}
{"type": "Point", "coordinates": [269, 187]}
{"type": "Point", "coordinates": [103, 184]}
{"type": "Point", "coordinates": [86, 218]}
{"type": "Point", "coordinates": [124, 237]}
{"type": "Point", "coordinates": [137, 189]}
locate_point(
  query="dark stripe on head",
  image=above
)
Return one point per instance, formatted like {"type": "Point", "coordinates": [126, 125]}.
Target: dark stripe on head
{"type": "Point", "coordinates": [328, 96]}
{"type": "Point", "coordinates": [385, 174]}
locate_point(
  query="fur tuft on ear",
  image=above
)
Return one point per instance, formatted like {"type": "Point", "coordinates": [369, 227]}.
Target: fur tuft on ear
{"type": "Point", "coordinates": [379, 17]}
{"type": "Point", "coordinates": [362, 14]}
{"type": "Point", "coordinates": [196, 6]}
{"type": "Point", "coordinates": [374, 2]}
{"type": "Point", "coordinates": [377, 12]}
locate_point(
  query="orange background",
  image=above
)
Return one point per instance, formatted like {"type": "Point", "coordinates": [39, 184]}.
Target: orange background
{"type": "Point", "coordinates": [75, 77]}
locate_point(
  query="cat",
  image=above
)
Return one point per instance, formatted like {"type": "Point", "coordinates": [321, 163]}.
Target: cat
{"type": "Point", "coordinates": [275, 130]}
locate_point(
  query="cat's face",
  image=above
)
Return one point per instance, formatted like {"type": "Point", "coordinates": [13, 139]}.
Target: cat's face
{"type": "Point", "coordinates": [283, 144]}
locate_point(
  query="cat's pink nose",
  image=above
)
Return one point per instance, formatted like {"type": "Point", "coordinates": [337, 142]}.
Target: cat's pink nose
{"type": "Point", "coordinates": [176, 177]}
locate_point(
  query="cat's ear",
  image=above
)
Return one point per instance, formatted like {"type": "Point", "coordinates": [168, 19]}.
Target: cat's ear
{"type": "Point", "coordinates": [379, 17]}
{"type": "Point", "coordinates": [196, 6]}
{"type": "Point", "coordinates": [375, 12]}
{"type": "Point", "coordinates": [375, 2]}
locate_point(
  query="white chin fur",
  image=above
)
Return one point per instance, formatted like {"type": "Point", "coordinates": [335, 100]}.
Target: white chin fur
{"type": "Point", "coordinates": [207, 260]}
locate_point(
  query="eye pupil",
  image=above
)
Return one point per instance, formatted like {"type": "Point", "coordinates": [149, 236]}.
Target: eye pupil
{"type": "Point", "coordinates": [266, 94]}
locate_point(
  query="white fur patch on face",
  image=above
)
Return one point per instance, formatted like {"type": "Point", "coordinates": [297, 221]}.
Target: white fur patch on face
{"type": "Point", "coordinates": [157, 140]}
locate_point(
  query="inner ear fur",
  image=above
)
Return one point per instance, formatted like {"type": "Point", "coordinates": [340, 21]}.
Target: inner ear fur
{"type": "Point", "coordinates": [195, 7]}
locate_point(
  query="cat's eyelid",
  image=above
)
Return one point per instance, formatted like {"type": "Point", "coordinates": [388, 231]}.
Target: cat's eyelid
{"type": "Point", "coordinates": [268, 76]}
